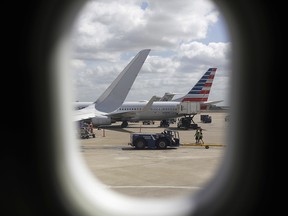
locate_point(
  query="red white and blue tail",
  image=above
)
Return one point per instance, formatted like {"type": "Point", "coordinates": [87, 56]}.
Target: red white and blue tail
{"type": "Point", "coordinates": [200, 91]}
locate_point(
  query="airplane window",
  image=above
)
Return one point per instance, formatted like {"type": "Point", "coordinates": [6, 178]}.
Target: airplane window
{"type": "Point", "coordinates": [195, 41]}
{"type": "Point", "coordinates": [57, 171]}
{"type": "Point", "coordinates": [194, 51]}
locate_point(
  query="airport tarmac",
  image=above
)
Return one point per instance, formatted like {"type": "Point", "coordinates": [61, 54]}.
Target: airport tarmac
{"type": "Point", "coordinates": [155, 173]}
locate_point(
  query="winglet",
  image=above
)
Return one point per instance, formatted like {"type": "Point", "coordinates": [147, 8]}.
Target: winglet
{"type": "Point", "coordinates": [117, 92]}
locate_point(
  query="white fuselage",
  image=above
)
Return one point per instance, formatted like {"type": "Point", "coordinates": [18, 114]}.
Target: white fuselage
{"type": "Point", "coordinates": [158, 111]}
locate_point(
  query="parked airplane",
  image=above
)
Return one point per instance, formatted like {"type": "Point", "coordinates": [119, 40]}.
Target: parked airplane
{"type": "Point", "coordinates": [114, 95]}
{"type": "Point", "coordinates": [82, 104]}
{"type": "Point", "coordinates": [161, 110]}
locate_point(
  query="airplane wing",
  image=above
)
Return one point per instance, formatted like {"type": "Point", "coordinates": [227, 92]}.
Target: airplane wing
{"type": "Point", "coordinates": [122, 116]}
{"type": "Point", "coordinates": [87, 113]}
{"type": "Point", "coordinates": [117, 92]}
{"type": "Point", "coordinates": [205, 105]}
{"type": "Point", "coordinates": [211, 102]}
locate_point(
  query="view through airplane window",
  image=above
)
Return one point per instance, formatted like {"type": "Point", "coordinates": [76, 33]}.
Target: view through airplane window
{"type": "Point", "coordinates": [171, 50]}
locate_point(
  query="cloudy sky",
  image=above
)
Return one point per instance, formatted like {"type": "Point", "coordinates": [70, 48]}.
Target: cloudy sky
{"type": "Point", "coordinates": [186, 37]}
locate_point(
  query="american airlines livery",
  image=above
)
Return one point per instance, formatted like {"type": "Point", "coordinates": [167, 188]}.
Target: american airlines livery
{"type": "Point", "coordinates": [114, 96]}
{"type": "Point", "coordinates": [162, 110]}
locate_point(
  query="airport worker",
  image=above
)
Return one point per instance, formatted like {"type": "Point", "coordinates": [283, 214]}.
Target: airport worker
{"type": "Point", "coordinates": [197, 135]}
{"type": "Point", "coordinates": [200, 136]}
{"type": "Point", "coordinates": [91, 127]}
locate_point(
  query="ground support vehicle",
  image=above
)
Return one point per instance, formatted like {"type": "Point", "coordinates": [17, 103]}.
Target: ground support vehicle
{"type": "Point", "coordinates": [167, 138]}
{"type": "Point", "coordinates": [227, 118]}
{"type": "Point", "coordinates": [164, 123]}
{"type": "Point", "coordinates": [85, 133]}
{"type": "Point", "coordinates": [188, 109]}
{"type": "Point", "coordinates": [187, 122]}
{"type": "Point", "coordinates": [147, 122]}
{"type": "Point", "coordinates": [205, 118]}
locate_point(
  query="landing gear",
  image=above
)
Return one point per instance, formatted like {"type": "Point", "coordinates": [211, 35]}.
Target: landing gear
{"type": "Point", "coordinates": [164, 123]}
{"type": "Point", "coordinates": [124, 124]}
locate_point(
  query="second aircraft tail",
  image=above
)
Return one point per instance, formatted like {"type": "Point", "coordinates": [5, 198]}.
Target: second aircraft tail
{"type": "Point", "coordinates": [201, 90]}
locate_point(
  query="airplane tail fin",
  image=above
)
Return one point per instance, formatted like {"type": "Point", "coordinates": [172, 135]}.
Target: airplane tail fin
{"type": "Point", "coordinates": [167, 96]}
{"type": "Point", "coordinates": [201, 90]}
{"type": "Point", "coordinates": [117, 92]}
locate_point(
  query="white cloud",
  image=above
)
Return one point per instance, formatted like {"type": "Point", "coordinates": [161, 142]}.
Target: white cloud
{"type": "Point", "coordinates": [107, 34]}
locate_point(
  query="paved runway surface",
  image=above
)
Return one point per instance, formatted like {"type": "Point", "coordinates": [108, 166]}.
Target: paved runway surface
{"type": "Point", "coordinates": [155, 173]}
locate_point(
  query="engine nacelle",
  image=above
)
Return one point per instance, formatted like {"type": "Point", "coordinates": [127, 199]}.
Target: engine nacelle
{"type": "Point", "coordinates": [103, 120]}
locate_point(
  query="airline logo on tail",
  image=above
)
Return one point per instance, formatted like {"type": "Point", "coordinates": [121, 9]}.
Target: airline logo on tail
{"type": "Point", "coordinates": [200, 92]}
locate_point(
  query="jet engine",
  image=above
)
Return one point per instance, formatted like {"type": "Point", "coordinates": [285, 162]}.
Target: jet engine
{"type": "Point", "coordinates": [103, 120]}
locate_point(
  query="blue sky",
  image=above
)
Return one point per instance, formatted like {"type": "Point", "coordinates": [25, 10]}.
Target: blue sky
{"type": "Point", "coordinates": [185, 37]}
